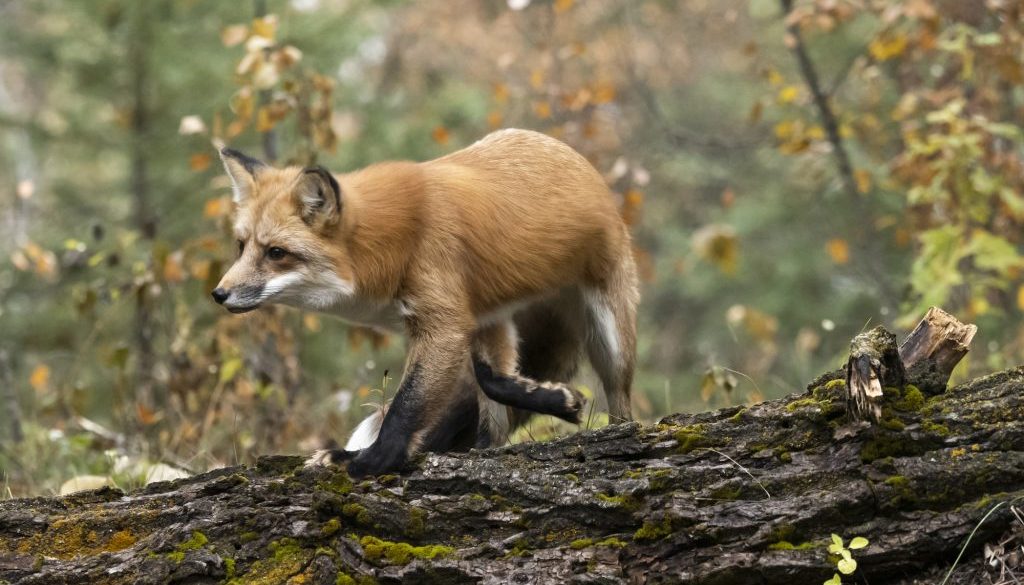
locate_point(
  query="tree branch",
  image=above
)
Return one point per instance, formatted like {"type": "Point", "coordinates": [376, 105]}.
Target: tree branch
{"type": "Point", "coordinates": [821, 102]}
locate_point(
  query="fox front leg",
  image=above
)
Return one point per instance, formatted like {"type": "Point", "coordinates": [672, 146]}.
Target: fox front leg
{"type": "Point", "coordinates": [428, 390]}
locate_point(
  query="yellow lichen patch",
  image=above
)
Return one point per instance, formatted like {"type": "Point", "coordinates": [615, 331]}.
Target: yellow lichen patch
{"type": "Point", "coordinates": [401, 553]}
{"type": "Point", "coordinates": [285, 566]}
{"type": "Point", "coordinates": [68, 538]}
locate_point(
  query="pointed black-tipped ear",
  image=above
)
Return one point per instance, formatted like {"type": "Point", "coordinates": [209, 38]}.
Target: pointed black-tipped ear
{"type": "Point", "coordinates": [243, 170]}
{"type": "Point", "coordinates": [318, 195]}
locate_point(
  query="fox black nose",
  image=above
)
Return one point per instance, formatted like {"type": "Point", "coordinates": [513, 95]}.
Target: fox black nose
{"type": "Point", "coordinates": [220, 295]}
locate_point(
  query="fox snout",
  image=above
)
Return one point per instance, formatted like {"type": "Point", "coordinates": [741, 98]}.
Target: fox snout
{"type": "Point", "coordinates": [241, 299]}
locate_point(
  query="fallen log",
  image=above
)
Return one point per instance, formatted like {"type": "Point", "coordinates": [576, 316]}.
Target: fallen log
{"type": "Point", "coordinates": [742, 495]}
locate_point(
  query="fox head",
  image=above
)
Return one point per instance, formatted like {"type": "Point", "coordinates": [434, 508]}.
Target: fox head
{"type": "Point", "coordinates": [286, 228]}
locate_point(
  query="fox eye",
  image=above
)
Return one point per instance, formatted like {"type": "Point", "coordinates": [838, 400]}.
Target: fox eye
{"type": "Point", "coordinates": [276, 253]}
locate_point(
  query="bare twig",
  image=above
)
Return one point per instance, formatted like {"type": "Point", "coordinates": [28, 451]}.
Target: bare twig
{"type": "Point", "coordinates": [743, 469]}
{"type": "Point", "coordinates": [828, 116]}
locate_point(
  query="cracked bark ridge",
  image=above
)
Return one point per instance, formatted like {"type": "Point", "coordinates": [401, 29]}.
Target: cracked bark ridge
{"type": "Point", "coordinates": [668, 503]}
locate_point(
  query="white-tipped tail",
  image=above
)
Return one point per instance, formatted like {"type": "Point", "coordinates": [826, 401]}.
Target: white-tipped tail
{"type": "Point", "coordinates": [366, 433]}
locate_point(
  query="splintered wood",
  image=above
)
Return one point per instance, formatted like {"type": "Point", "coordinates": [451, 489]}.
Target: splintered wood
{"type": "Point", "coordinates": [926, 358]}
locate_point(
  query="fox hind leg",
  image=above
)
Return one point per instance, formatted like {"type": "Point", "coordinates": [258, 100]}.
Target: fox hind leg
{"type": "Point", "coordinates": [611, 336]}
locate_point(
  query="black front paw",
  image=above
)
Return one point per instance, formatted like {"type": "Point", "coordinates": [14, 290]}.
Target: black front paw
{"type": "Point", "coordinates": [376, 461]}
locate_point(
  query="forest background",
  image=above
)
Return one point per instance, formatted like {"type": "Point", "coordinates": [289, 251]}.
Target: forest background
{"type": "Point", "coordinates": [792, 171]}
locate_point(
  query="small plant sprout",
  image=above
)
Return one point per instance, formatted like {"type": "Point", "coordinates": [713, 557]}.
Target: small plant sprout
{"type": "Point", "coordinates": [846, 563]}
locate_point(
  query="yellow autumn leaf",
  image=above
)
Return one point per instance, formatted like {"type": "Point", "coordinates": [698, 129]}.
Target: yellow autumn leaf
{"type": "Point", "coordinates": [785, 129]}
{"type": "Point", "coordinates": [264, 122]}
{"type": "Point", "coordinates": [537, 78]}
{"type": "Point", "coordinates": [838, 250]}
{"type": "Point", "coordinates": [563, 5]}
{"type": "Point", "coordinates": [718, 245]}
{"type": "Point", "coordinates": [265, 27]}
{"type": "Point", "coordinates": [542, 110]}
{"type": "Point", "coordinates": [40, 377]}
{"type": "Point", "coordinates": [495, 119]}
{"type": "Point", "coordinates": [887, 46]}
{"type": "Point", "coordinates": [311, 322]}
{"type": "Point", "coordinates": [863, 179]}
{"type": "Point", "coordinates": [1020, 297]}
{"type": "Point", "coordinates": [788, 94]}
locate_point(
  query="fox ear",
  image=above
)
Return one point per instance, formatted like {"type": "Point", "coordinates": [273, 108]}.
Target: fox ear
{"type": "Point", "coordinates": [318, 196]}
{"type": "Point", "coordinates": [243, 170]}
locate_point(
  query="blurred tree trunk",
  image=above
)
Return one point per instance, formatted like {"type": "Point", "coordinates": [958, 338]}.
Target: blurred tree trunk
{"type": "Point", "coordinates": [139, 185]}
{"type": "Point", "coordinates": [10, 398]}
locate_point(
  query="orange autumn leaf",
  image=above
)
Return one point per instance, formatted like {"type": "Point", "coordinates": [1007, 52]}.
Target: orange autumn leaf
{"type": "Point", "coordinates": [495, 119]}
{"type": "Point", "coordinates": [604, 92]}
{"type": "Point", "coordinates": [173, 271]}
{"type": "Point", "coordinates": [838, 250]}
{"type": "Point", "coordinates": [199, 161]}
{"type": "Point", "coordinates": [40, 377]}
{"type": "Point", "coordinates": [563, 6]}
{"type": "Point", "coordinates": [216, 207]}
{"type": "Point", "coordinates": [146, 415]}
{"type": "Point", "coordinates": [441, 135]}
{"type": "Point", "coordinates": [542, 110]}
{"type": "Point", "coordinates": [500, 93]}
{"type": "Point", "coordinates": [200, 270]}
{"type": "Point", "coordinates": [728, 197]}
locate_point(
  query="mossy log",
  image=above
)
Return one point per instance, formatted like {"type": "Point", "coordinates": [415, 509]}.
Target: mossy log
{"type": "Point", "coordinates": [742, 495]}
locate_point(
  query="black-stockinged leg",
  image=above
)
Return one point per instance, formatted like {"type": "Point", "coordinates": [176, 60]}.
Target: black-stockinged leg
{"type": "Point", "coordinates": [457, 429]}
{"type": "Point", "coordinates": [390, 451]}
{"type": "Point", "coordinates": [552, 398]}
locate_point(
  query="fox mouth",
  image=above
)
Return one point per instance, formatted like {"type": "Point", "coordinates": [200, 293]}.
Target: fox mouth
{"type": "Point", "coordinates": [244, 309]}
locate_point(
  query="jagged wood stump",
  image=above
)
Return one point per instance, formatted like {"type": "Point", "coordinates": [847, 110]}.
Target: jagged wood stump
{"type": "Point", "coordinates": [626, 503]}
{"type": "Point", "coordinates": [926, 359]}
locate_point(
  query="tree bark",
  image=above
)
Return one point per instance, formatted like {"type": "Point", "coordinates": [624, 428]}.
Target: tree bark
{"type": "Point", "coordinates": [741, 495]}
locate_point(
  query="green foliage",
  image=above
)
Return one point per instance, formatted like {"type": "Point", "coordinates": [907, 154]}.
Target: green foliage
{"type": "Point", "coordinates": [843, 555]}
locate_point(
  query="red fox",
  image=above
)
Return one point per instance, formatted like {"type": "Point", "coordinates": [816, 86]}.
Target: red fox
{"type": "Point", "coordinates": [502, 263]}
